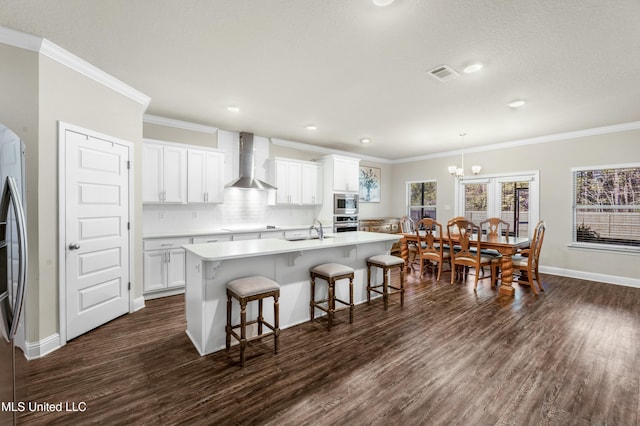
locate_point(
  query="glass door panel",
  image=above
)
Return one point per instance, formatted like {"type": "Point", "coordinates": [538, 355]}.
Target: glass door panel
{"type": "Point", "coordinates": [514, 206]}
{"type": "Point", "coordinates": [475, 202]}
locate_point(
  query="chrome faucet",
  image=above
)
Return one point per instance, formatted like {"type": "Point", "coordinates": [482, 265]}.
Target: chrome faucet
{"type": "Point", "coordinates": [318, 229]}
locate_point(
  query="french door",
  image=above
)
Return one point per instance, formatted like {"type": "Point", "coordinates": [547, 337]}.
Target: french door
{"type": "Point", "coordinates": [512, 197]}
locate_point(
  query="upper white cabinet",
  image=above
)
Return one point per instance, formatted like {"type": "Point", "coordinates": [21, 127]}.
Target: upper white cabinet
{"type": "Point", "coordinates": [298, 182]}
{"type": "Point", "coordinates": [341, 173]}
{"type": "Point", "coordinates": [311, 183]}
{"type": "Point", "coordinates": [288, 175]}
{"type": "Point", "coordinates": [205, 176]}
{"type": "Point", "coordinates": [164, 169]}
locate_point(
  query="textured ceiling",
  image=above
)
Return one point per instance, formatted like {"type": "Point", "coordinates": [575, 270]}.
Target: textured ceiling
{"type": "Point", "coordinates": [356, 70]}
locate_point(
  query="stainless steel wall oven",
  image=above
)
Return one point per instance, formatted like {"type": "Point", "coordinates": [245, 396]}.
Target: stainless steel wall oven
{"type": "Point", "coordinates": [345, 204]}
{"type": "Point", "coordinates": [345, 223]}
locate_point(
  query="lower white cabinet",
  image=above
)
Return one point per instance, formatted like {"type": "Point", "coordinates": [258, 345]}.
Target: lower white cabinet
{"type": "Point", "coordinates": [246, 236]}
{"type": "Point", "coordinates": [164, 264]}
{"type": "Point", "coordinates": [203, 239]}
{"type": "Point", "coordinates": [278, 235]}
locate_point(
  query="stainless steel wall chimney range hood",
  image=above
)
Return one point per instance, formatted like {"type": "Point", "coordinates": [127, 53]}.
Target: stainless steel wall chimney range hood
{"type": "Point", "coordinates": [247, 179]}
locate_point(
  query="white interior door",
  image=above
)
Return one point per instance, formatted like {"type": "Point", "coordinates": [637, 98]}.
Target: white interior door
{"type": "Point", "coordinates": [96, 229]}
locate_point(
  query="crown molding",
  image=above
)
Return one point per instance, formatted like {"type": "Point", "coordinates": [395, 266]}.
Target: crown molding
{"type": "Point", "coordinates": [322, 150]}
{"type": "Point", "coordinates": [64, 57]}
{"type": "Point", "coordinates": [19, 39]}
{"type": "Point", "coordinates": [179, 124]}
{"type": "Point", "coordinates": [615, 128]}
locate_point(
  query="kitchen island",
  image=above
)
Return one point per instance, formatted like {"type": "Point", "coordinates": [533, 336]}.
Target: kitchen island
{"type": "Point", "coordinates": [209, 267]}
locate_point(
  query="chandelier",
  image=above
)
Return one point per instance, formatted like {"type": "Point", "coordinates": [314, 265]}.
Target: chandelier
{"type": "Point", "coordinates": [459, 171]}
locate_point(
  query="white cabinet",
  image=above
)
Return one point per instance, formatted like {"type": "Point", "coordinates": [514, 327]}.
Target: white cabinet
{"type": "Point", "coordinates": [311, 184]}
{"type": "Point", "coordinates": [298, 182]}
{"type": "Point", "coordinates": [164, 169]}
{"type": "Point", "coordinates": [246, 236]}
{"type": "Point", "coordinates": [288, 175]}
{"type": "Point", "coordinates": [205, 176]}
{"type": "Point", "coordinates": [278, 235]}
{"type": "Point", "coordinates": [210, 239]}
{"type": "Point", "coordinates": [164, 264]}
{"type": "Point", "coordinates": [346, 174]}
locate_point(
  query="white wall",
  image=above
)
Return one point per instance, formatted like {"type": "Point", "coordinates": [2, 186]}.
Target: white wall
{"type": "Point", "coordinates": [37, 93]}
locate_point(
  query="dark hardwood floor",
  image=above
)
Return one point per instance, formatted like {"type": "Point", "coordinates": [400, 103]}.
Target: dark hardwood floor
{"type": "Point", "coordinates": [449, 357]}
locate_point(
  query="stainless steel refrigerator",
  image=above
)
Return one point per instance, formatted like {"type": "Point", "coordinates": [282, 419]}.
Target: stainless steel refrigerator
{"type": "Point", "coordinates": [13, 273]}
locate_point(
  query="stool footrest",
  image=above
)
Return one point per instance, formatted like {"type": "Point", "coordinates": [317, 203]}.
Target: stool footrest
{"type": "Point", "coordinates": [252, 338]}
{"type": "Point", "coordinates": [266, 324]}
{"type": "Point", "coordinates": [392, 290]}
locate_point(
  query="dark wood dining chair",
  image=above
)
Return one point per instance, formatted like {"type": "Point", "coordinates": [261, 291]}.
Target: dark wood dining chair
{"type": "Point", "coordinates": [527, 260]}
{"type": "Point", "coordinates": [465, 252]}
{"type": "Point", "coordinates": [494, 227]}
{"type": "Point", "coordinates": [408, 227]}
{"type": "Point", "coordinates": [431, 246]}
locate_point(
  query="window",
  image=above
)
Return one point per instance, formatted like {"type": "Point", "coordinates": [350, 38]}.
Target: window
{"type": "Point", "coordinates": [422, 199]}
{"type": "Point", "coordinates": [607, 205]}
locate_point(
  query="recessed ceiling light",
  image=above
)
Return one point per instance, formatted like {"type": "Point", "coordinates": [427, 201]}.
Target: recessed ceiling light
{"type": "Point", "coordinates": [233, 108]}
{"type": "Point", "coordinates": [382, 3]}
{"type": "Point", "coordinates": [311, 127]}
{"type": "Point", "coordinates": [365, 140]}
{"type": "Point", "coordinates": [473, 68]}
{"type": "Point", "coordinates": [517, 103]}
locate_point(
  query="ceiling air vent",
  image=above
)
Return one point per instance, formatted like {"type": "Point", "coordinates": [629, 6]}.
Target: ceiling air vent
{"type": "Point", "coordinates": [444, 73]}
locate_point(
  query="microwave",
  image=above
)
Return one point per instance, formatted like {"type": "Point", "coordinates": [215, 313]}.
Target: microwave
{"type": "Point", "coordinates": [345, 203]}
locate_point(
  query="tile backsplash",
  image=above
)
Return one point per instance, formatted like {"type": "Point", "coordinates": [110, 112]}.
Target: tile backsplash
{"type": "Point", "coordinates": [241, 207]}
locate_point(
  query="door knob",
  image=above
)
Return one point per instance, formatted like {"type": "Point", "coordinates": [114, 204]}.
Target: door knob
{"type": "Point", "coordinates": [74, 246]}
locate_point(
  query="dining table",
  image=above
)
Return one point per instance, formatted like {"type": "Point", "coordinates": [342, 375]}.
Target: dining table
{"type": "Point", "coordinates": [507, 246]}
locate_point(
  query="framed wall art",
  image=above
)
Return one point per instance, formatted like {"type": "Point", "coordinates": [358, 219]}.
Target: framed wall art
{"type": "Point", "coordinates": [369, 184]}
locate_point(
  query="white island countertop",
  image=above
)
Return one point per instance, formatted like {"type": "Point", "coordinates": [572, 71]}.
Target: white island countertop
{"type": "Point", "coordinates": [248, 248]}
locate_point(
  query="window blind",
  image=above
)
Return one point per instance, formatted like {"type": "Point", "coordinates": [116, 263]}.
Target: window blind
{"type": "Point", "coordinates": [607, 205]}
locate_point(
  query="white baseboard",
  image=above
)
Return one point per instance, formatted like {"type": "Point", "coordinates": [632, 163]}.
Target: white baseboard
{"type": "Point", "coordinates": [163, 293]}
{"type": "Point", "coordinates": [35, 350]}
{"type": "Point", "coordinates": [608, 279]}
{"type": "Point", "coordinates": [138, 303]}
{"type": "Point", "coordinates": [43, 347]}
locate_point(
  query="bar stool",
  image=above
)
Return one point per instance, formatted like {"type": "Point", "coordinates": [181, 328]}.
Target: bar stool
{"type": "Point", "coordinates": [331, 272]}
{"type": "Point", "coordinates": [386, 263]}
{"type": "Point", "coordinates": [245, 290]}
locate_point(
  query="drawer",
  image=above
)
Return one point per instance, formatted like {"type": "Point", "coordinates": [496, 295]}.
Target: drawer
{"type": "Point", "coordinates": [381, 228]}
{"type": "Point", "coordinates": [272, 234]}
{"type": "Point", "coordinates": [247, 236]}
{"type": "Point", "coordinates": [165, 243]}
{"type": "Point", "coordinates": [211, 239]}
